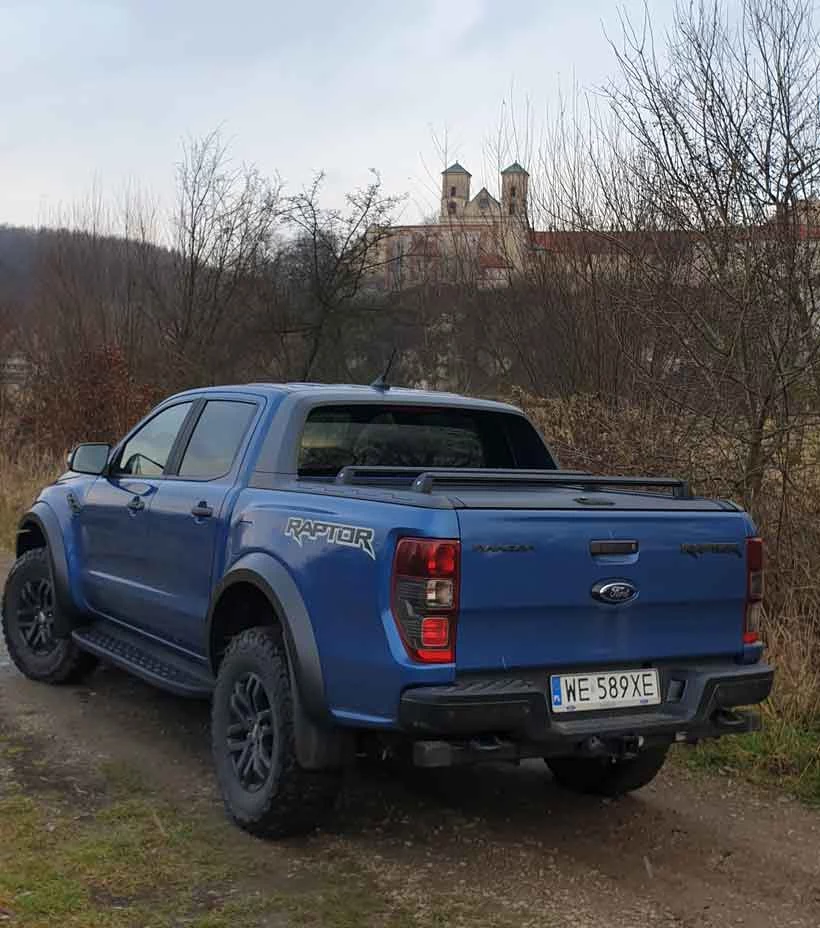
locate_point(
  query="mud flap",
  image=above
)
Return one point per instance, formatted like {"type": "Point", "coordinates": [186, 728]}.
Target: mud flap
{"type": "Point", "coordinates": [320, 747]}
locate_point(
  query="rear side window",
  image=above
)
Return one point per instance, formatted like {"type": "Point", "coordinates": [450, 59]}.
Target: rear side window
{"type": "Point", "coordinates": [216, 439]}
{"type": "Point", "coordinates": [386, 436]}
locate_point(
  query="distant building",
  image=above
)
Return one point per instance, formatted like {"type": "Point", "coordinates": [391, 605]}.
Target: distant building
{"type": "Point", "coordinates": [487, 242]}
{"type": "Point", "coordinates": [476, 239]}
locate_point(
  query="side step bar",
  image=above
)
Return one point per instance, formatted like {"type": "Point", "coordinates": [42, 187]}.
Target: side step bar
{"type": "Point", "coordinates": [146, 659]}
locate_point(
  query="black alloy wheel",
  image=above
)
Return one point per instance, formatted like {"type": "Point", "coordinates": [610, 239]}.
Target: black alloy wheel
{"type": "Point", "coordinates": [35, 616]}
{"type": "Point", "coordinates": [251, 732]}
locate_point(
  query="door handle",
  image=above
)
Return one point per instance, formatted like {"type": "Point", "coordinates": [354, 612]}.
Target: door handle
{"type": "Point", "coordinates": [202, 510]}
{"type": "Point", "coordinates": [135, 504]}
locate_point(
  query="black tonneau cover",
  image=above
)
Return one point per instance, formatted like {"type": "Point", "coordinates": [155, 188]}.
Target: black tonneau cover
{"type": "Point", "coordinates": [426, 480]}
{"type": "Point", "coordinates": [529, 489]}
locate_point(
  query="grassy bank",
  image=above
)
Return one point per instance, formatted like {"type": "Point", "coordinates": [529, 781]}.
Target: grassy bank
{"type": "Point", "coordinates": [783, 756]}
{"type": "Point", "coordinates": [113, 853]}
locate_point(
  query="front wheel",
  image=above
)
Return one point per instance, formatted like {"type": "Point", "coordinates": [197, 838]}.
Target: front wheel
{"type": "Point", "coordinates": [608, 776]}
{"type": "Point", "coordinates": [30, 614]}
{"type": "Point", "coordinates": [264, 788]}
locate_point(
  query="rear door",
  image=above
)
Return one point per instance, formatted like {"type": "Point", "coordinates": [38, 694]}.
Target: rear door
{"type": "Point", "coordinates": [188, 519]}
{"type": "Point", "coordinates": [529, 580]}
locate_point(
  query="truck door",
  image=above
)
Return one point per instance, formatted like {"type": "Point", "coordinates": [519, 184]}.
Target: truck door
{"type": "Point", "coordinates": [189, 519]}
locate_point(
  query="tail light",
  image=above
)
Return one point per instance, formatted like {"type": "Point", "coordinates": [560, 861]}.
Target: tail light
{"type": "Point", "coordinates": [754, 590]}
{"type": "Point", "coordinates": [425, 597]}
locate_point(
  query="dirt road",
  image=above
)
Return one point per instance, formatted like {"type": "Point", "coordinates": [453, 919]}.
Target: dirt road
{"type": "Point", "coordinates": [685, 851]}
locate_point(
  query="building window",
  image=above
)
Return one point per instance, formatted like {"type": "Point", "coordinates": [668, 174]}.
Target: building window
{"type": "Point", "coordinates": [452, 191]}
{"type": "Point", "coordinates": [484, 203]}
{"type": "Point", "coordinates": [451, 208]}
{"type": "Point", "coordinates": [512, 209]}
{"type": "Point", "coordinates": [512, 192]}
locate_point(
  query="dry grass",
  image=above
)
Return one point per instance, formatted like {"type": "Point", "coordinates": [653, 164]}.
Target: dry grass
{"type": "Point", "coordinates": [21, 479]}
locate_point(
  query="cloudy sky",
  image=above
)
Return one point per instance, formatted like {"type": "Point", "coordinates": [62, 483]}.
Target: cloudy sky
{"type": "Point", "coordinates": [100, 94]}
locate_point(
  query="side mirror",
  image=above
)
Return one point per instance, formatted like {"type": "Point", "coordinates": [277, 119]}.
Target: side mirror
{"type": "Point", "coordinates": [90, 458]}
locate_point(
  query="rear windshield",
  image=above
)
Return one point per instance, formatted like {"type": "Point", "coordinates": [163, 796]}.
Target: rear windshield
{"type": "Point", "coordinates": [379, 436]}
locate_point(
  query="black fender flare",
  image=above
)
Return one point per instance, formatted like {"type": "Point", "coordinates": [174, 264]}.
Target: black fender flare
{"type": "Point", "coordinates": [319, 743]}
{"type": "Point", "coordinates": [44, 517]}
{"type": "Point", "coordinates": [272, 579]}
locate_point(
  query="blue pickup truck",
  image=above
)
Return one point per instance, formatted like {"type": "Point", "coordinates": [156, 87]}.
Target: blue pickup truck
{"type": "Point", "coordinates": [343, 569]}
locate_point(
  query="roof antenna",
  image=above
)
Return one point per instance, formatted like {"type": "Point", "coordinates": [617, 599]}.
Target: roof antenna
{"type": "Point", "coordinates": [380, 383]}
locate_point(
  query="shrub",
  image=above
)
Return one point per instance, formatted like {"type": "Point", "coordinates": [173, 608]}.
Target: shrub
{"type": "Point", "coordinates": [92, 397]}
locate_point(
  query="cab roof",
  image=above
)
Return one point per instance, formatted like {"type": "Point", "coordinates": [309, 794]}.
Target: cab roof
{"type": "Point", "coordinates": [340, 393]}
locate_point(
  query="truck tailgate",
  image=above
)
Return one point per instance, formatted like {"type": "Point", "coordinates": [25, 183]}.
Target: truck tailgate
{"type": "Point", "coordinates": [527, 578]}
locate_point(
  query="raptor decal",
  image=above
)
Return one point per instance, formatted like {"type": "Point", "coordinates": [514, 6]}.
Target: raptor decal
{"type": "Point", "coordinates": [334, 533]}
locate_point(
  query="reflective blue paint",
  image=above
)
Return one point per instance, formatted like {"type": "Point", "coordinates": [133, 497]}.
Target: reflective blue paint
{"type": "Point", "coordinates": [157, 569]}
{"type": "Point", "coordinates": [536, 609]}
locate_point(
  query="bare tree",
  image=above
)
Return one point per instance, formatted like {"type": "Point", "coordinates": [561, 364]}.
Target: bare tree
{"type": "Point", "coordinates": [332, 260]}
{"type": "Point", "coordinates": [223, 236]}
{"type": "Point", "coordinates": [694, 209]}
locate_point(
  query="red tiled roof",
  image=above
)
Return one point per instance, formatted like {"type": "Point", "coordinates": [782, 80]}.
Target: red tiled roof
{"type": "Point", "coordinates": [601, 243]}
{"type": "Point", "coordinates": [488, 262]}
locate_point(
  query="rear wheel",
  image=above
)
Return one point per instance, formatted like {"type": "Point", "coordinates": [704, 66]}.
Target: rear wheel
{"type": "Point", "coordinates": [608, 776]}
{"type": "Point", "coordinates": [264, 788]}
{"type": "Point", "coordinates": [30, 614]}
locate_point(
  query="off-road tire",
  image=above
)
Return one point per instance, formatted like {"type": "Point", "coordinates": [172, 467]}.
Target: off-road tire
{"type": "Point", "coordinates": [605, 776]}
{"type": "Point", "coordinates": [62, 661]}
{"type": "Point", "coordinates": [290, 800]}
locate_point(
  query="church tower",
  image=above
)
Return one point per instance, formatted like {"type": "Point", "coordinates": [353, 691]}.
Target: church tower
{"type": "Point", "coordinates": [514, 190]}
{"type": "Point", "coordinates": [455, 192]}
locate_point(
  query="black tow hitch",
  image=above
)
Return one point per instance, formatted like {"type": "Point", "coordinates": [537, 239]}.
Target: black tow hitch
{"type": "Point", "coordinates": [472, 751]}
{"type": "Point", "coordinates": [618, 746]}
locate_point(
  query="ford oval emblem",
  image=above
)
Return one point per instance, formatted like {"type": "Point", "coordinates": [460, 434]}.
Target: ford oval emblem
{"type": "Point", "coordinates": [614, 592]}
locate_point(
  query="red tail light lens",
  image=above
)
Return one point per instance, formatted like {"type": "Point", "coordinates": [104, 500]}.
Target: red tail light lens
{"type": "Point", "coordinates": [754, 590]}
{"type": "Point", "coordinates": [421, 557]}
{"type": "Point", "coordinates": [435, 632]}
{"type": "Point", "coordinates": [425, 597]}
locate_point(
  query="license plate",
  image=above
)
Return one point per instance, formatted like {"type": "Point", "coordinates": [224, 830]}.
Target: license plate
{"type": "Point", "coordinates": [613, 689]}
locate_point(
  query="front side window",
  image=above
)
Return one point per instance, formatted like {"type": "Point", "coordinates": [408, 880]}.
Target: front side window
{"type": "Point", "coordinates": [216, 439]}
{"type": "Point", "coordinates": [147, 451]}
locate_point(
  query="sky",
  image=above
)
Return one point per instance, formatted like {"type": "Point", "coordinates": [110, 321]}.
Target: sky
{"type": "Point", "coordinates": [100, 95]}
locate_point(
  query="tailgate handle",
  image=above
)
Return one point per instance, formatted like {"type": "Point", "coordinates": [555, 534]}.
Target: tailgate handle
{"type": "Point", "coordinates": [613, 547]}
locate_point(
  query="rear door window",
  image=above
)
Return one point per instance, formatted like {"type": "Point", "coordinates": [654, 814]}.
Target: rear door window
{"type": "Point", "coordinates": [216, 439]}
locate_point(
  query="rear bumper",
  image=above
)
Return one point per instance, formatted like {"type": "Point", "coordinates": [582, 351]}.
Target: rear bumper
{"type": "Point", "coordinates": [698, 702]}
